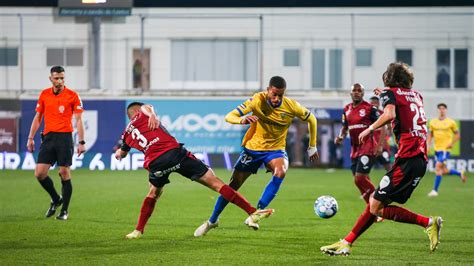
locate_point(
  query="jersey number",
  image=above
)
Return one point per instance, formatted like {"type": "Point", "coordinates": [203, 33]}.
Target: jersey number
{"type": "Point", "coordinates": [138, 136]}
{"type": "Point", "coordinates": [419, 113]}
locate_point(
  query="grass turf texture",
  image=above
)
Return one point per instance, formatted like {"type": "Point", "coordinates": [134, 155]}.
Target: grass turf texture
{"type": "Point", "coordinates": [105, 206]}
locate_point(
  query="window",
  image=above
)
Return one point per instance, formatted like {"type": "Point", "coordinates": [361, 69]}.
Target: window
{"type": "Point", "coordinates": [214, 60]}
{"type": "Point", "coordinates": [363, 57]}
{"type": "Point", "coordinates": [404, 55]}
{"type": "Point", "coordinates": [451, 63]}
{"type": "Point", "coordinates": [318, 72]}
{"type": "Point", "coordinates": [291, 57]}
{"type": "Point", "coordinates": [326, 68]}
{"type": "Point", "coordinates": [64, 57]}
{"type": "Point", "coordinates": [8, 56]}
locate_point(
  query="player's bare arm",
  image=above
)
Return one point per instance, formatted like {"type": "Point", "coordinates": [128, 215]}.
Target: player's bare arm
{"type": "Point", "coordinates": [342, 134]}
{"type": "Point", "coordinates": [149, 111]}
{"type": "Point", "coordinates": [313, 132]}
{"type": "Point", "coordinates": [429, 140]}
{"type": "Point", "coordinates": [456, 138]}
{"type": "Point", "coordinates": [81, 148]}
{"type": "Point", "coordinates": [30, 144]}
{"type": "Point", "coordinates": [387, 116]}
{"type": "Point", "coordinates": [381, 141]}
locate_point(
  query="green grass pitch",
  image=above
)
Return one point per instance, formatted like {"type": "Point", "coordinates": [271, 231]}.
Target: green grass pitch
{"type": "Point", "coordinates": [105, 207]}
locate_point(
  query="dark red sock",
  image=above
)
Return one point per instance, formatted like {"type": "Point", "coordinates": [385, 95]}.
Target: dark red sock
{"type": "Point", "coordinates": [364, 185]}
{"type": "Point", "coordinates": [402, 215]}
{"type": "Point", "coordinates": [365, 220]}
{"type": "Point", "coordinates": [236, 198]}
{"type": "Point", "coordinates": [145, 212]}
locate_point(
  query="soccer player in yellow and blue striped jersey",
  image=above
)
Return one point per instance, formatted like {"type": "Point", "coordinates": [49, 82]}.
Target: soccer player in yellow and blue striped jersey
{"type": "Point", "coordinates": [269, 114]}
{"type": "Point", "coordinates": [444, 132]}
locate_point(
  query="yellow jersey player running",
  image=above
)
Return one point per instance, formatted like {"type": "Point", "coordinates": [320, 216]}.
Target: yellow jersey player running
{"type": "Point", "coordinates": [269, 114]}
{"type": "Point", "coordinates": [444, 132]}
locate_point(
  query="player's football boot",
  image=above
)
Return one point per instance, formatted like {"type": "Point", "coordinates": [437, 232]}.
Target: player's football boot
{"type": "Point", "coordinates": [205, 227]}
{"type": "Point", "coordinates": [379, 219]}
{"type": "Point", "coordinates": [62, 216]}
{"type": "Point", "coordinates": [53, 207]}
{"type": "Point", "coordinates": [434, 231]}
{"type": "Point", "coordinates": [463, 176]}
{"type": "Point", "coordinates": [254, 218]}
{"type": "Point", "coordinates": [433, 193]}
{"type": "Point", "coordinates": [134, 235]}
{"type": "Point", "coordinates": [340, 248]}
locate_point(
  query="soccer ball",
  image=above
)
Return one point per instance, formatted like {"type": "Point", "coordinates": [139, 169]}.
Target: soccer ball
{"type": "Point", "coordinates": [325, 207]}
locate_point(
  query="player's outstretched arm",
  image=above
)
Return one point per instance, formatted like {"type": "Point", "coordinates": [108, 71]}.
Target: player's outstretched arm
{"type": "Point", "coordinates": [387, 116]}
{"type": "Point", "coordinates": [234, 117]}
{"type": "Point", "coordinates": [149, 111]}
{"type": "Point", "coordinates": [313, 135]}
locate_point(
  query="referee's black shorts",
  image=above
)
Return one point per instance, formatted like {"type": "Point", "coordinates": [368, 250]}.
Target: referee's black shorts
{"type": "Point", "coordinates": [56, 147]}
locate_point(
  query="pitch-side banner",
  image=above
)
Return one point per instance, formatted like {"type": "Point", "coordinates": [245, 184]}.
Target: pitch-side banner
{"type": "Point", "coordinates": [200, 124]}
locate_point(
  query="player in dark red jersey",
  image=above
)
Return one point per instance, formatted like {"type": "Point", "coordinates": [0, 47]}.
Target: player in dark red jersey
{"type": "Point", "coordinates": [164, 155]}
{"type": "Point", "coordinates": [356, 117]}
{"type": "Point", "coordinates": [382, 149]}
{"type": "Point", "coordinates": [404, 108]}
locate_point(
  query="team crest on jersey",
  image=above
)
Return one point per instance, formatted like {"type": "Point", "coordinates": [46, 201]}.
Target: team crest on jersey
{"type": "Point", "coordinates": [61, 109]}
{"type": "Point", "coordinates": [362, 112]}
{"type": "Point", "coordinates": [283, 115]}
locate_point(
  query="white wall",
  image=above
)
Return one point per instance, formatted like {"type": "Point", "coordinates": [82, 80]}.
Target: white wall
{"type": "Point", "coordinates": [381, 29]}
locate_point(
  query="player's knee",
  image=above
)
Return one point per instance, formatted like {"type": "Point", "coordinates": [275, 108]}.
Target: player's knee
{"type": "Point", "coordinates": [40, 174]}
{"type": "Point", "coordinates": [64, 173]}
{"type": "Point", "coordinates": [155, 192]}
{"type": "Point", "coordinates": [280, 172]}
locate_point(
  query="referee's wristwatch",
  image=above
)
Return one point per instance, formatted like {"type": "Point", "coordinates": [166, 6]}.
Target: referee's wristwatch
{"type": "Point", "coordinates": [82, 142]}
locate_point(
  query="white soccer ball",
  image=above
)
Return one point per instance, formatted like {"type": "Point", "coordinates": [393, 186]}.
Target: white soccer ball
{"type": "Point", "coordinates": [325, 207]}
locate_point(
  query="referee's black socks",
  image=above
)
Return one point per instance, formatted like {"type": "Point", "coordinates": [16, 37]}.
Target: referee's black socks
{"type": "Point", "coordinates": [48, 185]}
{"type": "Point", "coordinates": [67, 192]}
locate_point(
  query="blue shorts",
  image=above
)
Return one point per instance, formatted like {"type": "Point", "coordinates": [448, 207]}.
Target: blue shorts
{"type": "Point", "coordinates": [441, 156]}
{"type": "Point", "coordinates": [250, 161]}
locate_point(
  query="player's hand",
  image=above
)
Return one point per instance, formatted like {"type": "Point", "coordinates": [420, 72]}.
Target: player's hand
{"type": "Point", "coordinates": [249, 119]}
{"type": "Point", "coordinates": [81, 149]}
{"type": "Point", "coordinates": [338, 140]}
{"type": "Point", "coordinates": [378, 91]}
{"type": "Point", "coordinates": [153, 122]}
{"type": "Point", "coordinates": [118, 155]}
{"type": "Point", "coordinates": [313, 153]}
{"type": "Point", "coordinates": [450, 145]}
{"type": "Point", "coordinates": [30, 145]}
{"type": "Point", "coordinates": [364, 134]}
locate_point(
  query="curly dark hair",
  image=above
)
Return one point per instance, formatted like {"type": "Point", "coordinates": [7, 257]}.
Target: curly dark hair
{"type": "Point", "coordinates": [398, 75]}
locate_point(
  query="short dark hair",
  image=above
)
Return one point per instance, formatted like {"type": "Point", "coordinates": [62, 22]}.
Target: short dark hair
{"type": "Point", "coordinates": [443, 105]}
{"type": "Point", "coordinates": [277, 82]}
{"type": "Point", "coordinates": [398, 75]}
{"type": "Point", "coordinates": [57, 69]}
{"type": "Point", "coordinates": [374, 98]}
{"type": "Point", "coordinates": [134, 104]}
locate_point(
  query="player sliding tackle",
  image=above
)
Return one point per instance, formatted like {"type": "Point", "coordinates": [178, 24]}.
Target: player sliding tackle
{"type": "Point", "coordinates": [404, 108]}
{"type": "Point", "coordinates": [269, 114]}
{"type": "Point", "coordinates": [164, 155]}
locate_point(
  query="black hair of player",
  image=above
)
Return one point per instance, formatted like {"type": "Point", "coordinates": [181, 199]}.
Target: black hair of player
{"type": "Point", "coordinates": [277, 82]}
{"type": "Point", "coordinates": [57, 69]}
{"type": "Point", "coordinates": [398, 75]}
{"type": "Point", "coordinates": [442, 105]}
{"type": "Point", "coordinates": [374, 98]}
{"type": "Point", "coordinates": [134, 104]}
